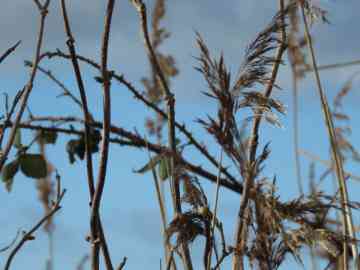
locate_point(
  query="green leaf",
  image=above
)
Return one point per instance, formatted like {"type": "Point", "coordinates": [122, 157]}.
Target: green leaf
{"type": "Point", "coordinates": [150, 165]}
{"type": "Point", "coordinates": [75, 147]}
{"type": "Point", "coordinates": [164, 168]}
{"type": "Point", "coordinates": [17, 140]}
{"type": "Point", "coordinates": [8, 173]}
{"type": "Point", "coordinates": [48, 137]}
{"type": "Point", "coordinates": [33, 165]}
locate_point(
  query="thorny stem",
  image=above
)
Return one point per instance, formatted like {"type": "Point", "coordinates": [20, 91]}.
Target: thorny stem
{"type": "Point", "coordinates": [181, 127]}
{"type": "Point", "coordinates": [170, 104]}
{"type": "Point", "coordinates": [240, 237]}
{"type": "Point", "coordinates": [87, 116]}
{"type": "Point", "coordinates": [66, 92]}
{"type": "Point", "coordinates": [70, 43]}
{"type": "Point", "coordinates": [95, 215]}
{"type": "Point", "coordinates": [25, 95]}
{"type": "Point", "coordinates": [133, 140]}
{"type": "Point", "coordinates": [346, 211]}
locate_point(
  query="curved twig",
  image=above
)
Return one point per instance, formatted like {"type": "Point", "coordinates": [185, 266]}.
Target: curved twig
{"type": "Point", "coordinates": [28, 236]}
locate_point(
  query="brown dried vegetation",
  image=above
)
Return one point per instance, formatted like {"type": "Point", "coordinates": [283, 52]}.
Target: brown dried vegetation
{"type": "Point", "coordinates": [268, 229]}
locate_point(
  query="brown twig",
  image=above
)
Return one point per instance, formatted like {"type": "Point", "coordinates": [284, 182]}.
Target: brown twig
{"type": "Point", "coordinates": [87, 116]}
{"type": "Point", "coordinates": [135, 141]}
{"type": "Point", "coordinates": [9, 51]}
{"type": "Point", "coordinates": [70, 43]}
{"type": "Point", "coordinates": [11, 244]}
{"type": "Point", "coordinates": [25, 96]}
{"type": "Point", "coordinates": [122, 264]}
{"type": "Point", "coordinates": [28, 236]}
{"type": "Point", "coordinates": [182, 128]}
{"type": "Point", "coordinates": [96, 200]}
{"type": "Point", "coordinates": [50, 75]}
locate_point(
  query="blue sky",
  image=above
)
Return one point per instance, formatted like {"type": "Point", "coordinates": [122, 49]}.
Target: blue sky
{"type": "Point", "coordinates": [129, 210]}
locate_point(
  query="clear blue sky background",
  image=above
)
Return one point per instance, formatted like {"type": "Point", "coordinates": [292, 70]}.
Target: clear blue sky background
{"type": "Point", "coordinates": [129, 210]}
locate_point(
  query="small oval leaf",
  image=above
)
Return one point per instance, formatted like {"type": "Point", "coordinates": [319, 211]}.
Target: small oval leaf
{"type": "Point", "coordinates": [33, 165]}
{"type": "Point", "coordinates": [9, 172]}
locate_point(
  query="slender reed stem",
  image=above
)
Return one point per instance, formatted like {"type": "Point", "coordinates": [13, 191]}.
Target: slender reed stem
{"type": "Point", "coordinates": [240, 236]}
{"type": "Point", "coordinates": [346, 211]}
{"type": "Point", "coordinates": [170, 105]}
{"type": "Point", "coordinates": [296, 132]}
{"type": "Point", "coordinates": [214, 217]}
{"type": "Point", "coordinates": [161, 203]}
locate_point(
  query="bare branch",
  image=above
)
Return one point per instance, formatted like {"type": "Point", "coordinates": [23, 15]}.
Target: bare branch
{"type": "Point", "coordinates": [9, 51]}
{"type": "Point", "coordinates": [182, 128]}
{"type": "Point", "coordinates": [28, 236]}
{"type": "Point", "coordinates": [25, 96]}
{"type": "Point", "coordinates": [95, 215]}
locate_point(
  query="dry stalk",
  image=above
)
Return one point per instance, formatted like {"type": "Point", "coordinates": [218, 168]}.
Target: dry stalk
{"type": "Point", "coordinates": [170, 104]}
{"type": "Point", "coordinates": [296, 132]}
{"type": "Point", "coordinates": [214, 216]}
{"type": "Point", "coordinates": [161, 203]}
{"type": "Point", "coordinates": [240, 236]}
{"type": "Point", "coordinates": [346, 211]}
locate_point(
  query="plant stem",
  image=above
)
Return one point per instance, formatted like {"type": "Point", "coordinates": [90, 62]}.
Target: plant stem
{"type": "Point", "coordinates": [241, 227]}
{"type": "Point", "coordinates": [346, 211]}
